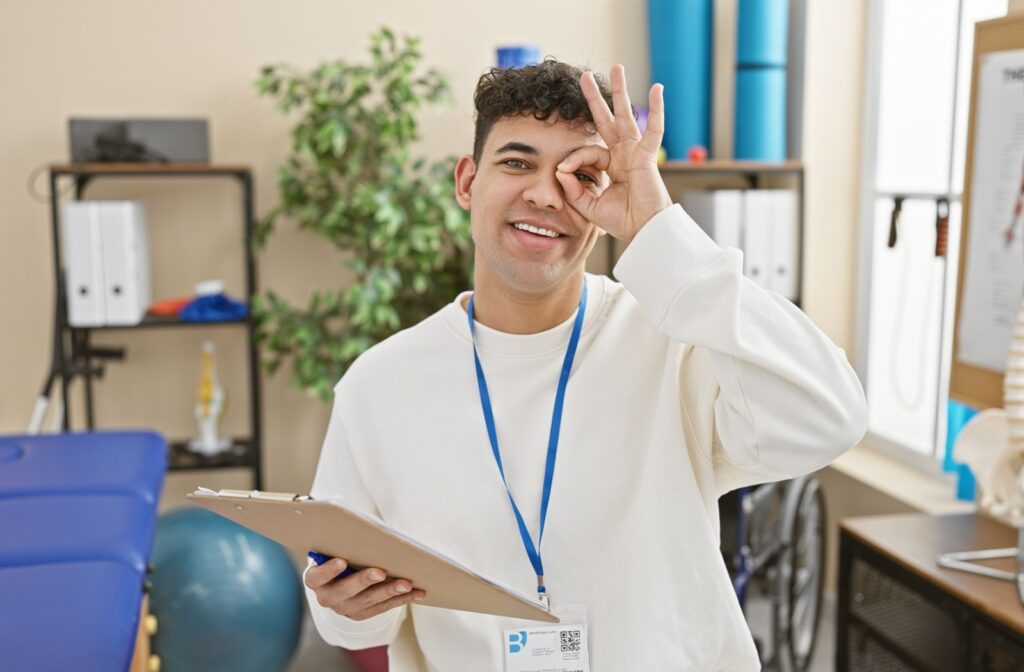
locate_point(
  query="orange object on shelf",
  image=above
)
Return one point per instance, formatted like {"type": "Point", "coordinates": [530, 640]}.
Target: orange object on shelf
{"type": "Point", "coordinates": [169, 307]}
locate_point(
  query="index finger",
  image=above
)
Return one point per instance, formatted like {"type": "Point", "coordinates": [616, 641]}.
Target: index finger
{"type": "Point", "coordinates": [603, 119]}
{"type": "Point", "coordinates": [320, 574]}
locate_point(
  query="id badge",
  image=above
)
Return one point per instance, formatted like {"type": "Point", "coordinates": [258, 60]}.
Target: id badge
{"type": "Point", "coordinates": [550, 647]}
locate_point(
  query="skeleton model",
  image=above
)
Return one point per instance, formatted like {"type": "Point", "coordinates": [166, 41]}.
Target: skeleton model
{"type": "Point", "coordinates": [992, 443]}
{"type": "Point", "coordinates": [211, 405]}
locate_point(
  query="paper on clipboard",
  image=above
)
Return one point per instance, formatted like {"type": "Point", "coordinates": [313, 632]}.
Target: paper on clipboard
{"type": "Point", "coordinates": [330, 527]}
{"type": "Point", "coordinates": [994, 273]}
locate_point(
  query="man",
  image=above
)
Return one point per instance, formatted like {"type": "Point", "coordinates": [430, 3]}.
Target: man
{"type": "Point", "coordinates": [682, 383]}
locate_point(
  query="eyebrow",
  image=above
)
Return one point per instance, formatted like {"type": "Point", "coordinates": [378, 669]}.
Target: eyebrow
{"type": "Point", "coordinates": [530, 150]}
{"type": "Point", "coordinates": [520, 147]}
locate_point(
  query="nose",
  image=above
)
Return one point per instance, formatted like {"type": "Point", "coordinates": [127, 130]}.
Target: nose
{"type": "Point", "coordinates": [544, 192]}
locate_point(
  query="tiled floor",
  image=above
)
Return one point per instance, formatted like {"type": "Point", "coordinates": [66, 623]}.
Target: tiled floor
{"type": "Point", "coordinates": [316, 656]}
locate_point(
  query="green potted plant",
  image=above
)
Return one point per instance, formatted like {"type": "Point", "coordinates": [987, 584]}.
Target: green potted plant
{"type": "Point", "coordinates": [350, 179]}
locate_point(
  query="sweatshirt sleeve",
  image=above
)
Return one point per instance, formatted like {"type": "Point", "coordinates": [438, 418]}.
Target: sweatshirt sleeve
{"type": "Point", "coordinates": [787, 401]}
{"type": "Point", "coordinates": [337, 477]}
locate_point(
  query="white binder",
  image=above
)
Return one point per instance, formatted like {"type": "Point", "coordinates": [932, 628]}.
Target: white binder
{"type": "Point", "coordinates": [83, 264]}
{"type": "Point", "coordinates": [719, 212]}
{"type": "Point", "coordinates": [125, 261]}
{"type": "Point", "coordinates": [757, 235]}
{"type": "Point", "coordinates": [785, 243]}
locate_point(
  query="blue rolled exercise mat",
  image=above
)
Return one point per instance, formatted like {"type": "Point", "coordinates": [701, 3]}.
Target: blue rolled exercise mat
{"type": "Point", "coordinates": [760, 105]}
{"type": "Point", "coordinates": [762, 32]}
{"type": "Point", "coordinates": [760, 132]}
{"type": "Point", "coordinates": [681, 37]}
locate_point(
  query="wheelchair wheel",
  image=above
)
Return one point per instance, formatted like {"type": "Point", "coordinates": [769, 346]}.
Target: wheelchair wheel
{"type": "Point", "coordinates": [803, 578]}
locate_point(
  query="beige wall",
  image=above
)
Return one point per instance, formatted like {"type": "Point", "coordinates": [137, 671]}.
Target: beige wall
{"type": "Point", "coordinates": [117, 58]}
{"type": "Point", "coordinates": [847, 497]}
{"type": "Point", "coordinates": [833, 98]}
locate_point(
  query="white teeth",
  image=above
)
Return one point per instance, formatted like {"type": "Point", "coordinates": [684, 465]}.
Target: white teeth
{"type": "Point", "coordinates": [533, 229]}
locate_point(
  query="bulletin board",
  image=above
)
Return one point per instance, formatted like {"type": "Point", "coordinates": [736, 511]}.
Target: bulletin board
{"type": "Point", "coordinates": [970, 383]}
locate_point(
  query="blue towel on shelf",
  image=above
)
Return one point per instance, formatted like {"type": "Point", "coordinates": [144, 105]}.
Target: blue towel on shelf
{"type": "Point", "coordinates": [213, 308]}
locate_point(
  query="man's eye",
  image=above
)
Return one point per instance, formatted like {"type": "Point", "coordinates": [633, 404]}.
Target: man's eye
{"type": "Point", "coordinates": [515, 163]}
{"type": "Point", "coordinates": [583, 177]}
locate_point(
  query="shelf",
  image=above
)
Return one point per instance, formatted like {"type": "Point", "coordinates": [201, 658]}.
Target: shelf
{"type": "Point", "coordinates": [73, 357]}
{"type": "Point", "coordinates": [731, 167]}
{"type": "Point", "coordinates": [153, 321]}
{"type": "Point", "coordinates": [180, 458]}
{"type": "Point", "coordinates": [148, 169]}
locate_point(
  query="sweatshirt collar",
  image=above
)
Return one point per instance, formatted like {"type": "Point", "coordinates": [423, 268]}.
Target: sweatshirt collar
{"type": "Point", "coordinates": [544, 342]}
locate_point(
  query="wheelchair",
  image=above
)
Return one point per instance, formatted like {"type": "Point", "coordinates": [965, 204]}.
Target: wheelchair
{"type": "Point", "coordinates": [773, 541]}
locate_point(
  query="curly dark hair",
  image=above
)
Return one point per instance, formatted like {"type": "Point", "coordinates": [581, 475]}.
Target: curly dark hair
{"type": "Point", "coordinates": [549, 87]}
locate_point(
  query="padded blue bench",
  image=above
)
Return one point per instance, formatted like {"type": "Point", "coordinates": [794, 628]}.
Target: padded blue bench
{"type": "Point", "coordinates": [95, 463]}
{"type": "Point", "coordinates": [69, 616]}
{"type": "Point", "coordinates": [77, 519]}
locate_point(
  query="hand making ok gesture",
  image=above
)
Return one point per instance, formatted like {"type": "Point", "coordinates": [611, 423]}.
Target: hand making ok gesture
{"type": "Point", "coordinates": [636, 192]}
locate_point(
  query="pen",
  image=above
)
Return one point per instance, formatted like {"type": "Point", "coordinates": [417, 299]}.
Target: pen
{"type": "Point", "coordinates": [320, 558]}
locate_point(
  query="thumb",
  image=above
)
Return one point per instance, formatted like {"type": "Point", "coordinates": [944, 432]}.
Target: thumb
{"type": "Point", "coordinates": [581, 200]}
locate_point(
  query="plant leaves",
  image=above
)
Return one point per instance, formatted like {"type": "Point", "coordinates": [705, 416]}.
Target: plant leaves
{"type": "Point", "coordinates": [350, 178]}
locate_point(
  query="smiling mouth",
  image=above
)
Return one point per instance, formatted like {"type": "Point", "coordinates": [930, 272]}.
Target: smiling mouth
{"type": "Point", "coordinates": [536, 230]}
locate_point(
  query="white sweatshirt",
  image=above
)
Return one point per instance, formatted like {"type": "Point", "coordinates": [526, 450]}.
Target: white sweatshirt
{"type": "Point", "coordinates": [689, 381]}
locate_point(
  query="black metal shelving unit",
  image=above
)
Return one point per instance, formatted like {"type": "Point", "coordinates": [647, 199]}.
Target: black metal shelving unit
{"type": "Point", "coordinates": [74, 356]}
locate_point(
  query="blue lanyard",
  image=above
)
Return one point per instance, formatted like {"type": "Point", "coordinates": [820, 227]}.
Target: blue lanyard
{"type": "Point", "coordinates": [556, 422]}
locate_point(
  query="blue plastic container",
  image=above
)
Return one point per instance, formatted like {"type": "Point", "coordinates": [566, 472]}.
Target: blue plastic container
{"type": "Point", "coordinates": [681, 39]}
{"type": "Point", "coordinates": [762, 32]}
{"type": "Point", "coordinates": [957, 415]}
{"type": "Point", "coordinates": [760, 130]}
{"type": "Point", "coordinates": [519, 56]}
{"type": "Point", "coordinates": [965, 484]}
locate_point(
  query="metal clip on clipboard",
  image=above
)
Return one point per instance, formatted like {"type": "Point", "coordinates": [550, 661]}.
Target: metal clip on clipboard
{"type": "Point", "coordinates": [255, 494]}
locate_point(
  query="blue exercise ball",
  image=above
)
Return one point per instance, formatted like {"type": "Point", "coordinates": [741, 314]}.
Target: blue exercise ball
{"type": "Point", "coordinates": [225, 598]}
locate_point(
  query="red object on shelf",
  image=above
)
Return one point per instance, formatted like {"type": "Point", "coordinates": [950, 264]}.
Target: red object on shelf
{"type": "Point", "coordinates": [697, 153]}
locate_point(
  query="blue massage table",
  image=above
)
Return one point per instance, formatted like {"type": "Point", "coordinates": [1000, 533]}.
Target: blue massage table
{"type": "Point", "coordinates": [77, 519]}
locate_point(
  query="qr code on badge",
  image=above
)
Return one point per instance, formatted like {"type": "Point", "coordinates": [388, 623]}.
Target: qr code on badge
{"type": "Point", "coordinates": [570, 641]}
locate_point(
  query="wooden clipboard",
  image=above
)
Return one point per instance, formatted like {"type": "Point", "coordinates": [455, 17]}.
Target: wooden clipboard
{"type": "Point", "coordinates": [304, 524]}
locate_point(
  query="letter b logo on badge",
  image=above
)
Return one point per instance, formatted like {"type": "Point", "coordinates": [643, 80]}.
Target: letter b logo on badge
{"type": "Point", "coordinates": [517, 641]}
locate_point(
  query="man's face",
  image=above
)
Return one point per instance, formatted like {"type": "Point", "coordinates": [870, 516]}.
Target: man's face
{"type": "Point", "coordinates": [514, 186]}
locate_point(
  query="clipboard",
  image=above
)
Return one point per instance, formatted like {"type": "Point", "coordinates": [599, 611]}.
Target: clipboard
{"type": "Point", "coordinates": [303, 524]}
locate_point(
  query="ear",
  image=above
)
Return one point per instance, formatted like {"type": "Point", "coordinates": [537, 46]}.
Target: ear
{"type": "Point", "coordinates": [465, 171]}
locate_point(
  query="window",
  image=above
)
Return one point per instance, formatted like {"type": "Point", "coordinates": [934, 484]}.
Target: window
{"type": "Point", "coordinates": [915, 130]}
